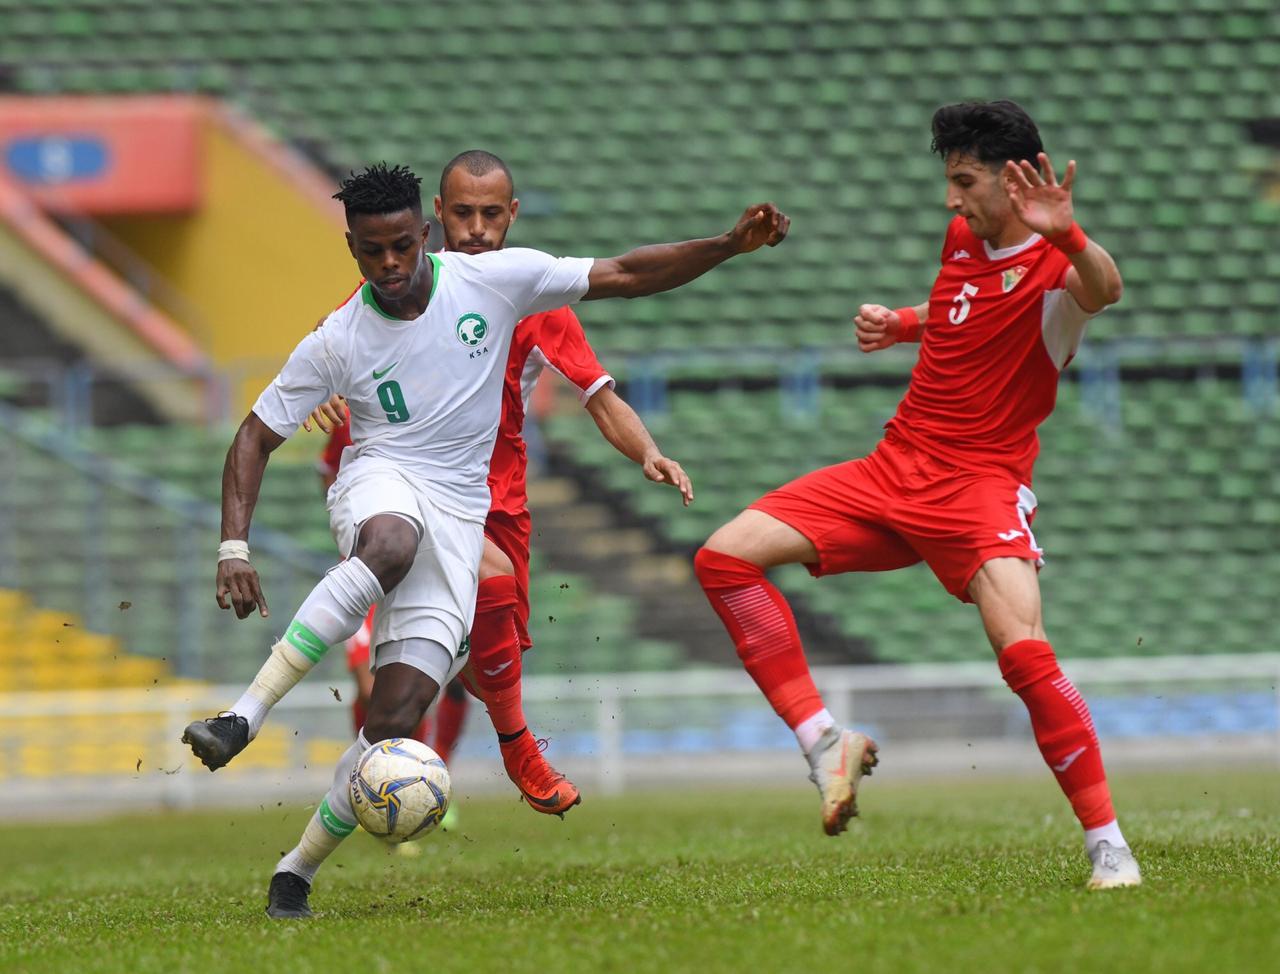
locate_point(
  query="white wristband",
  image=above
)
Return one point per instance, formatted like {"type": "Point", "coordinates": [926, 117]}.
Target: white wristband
{"type": "Point", "coordinates": [234, 548]}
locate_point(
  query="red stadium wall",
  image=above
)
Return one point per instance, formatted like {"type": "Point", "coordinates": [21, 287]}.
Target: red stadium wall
{"type": "Point", "coordinates": [97, 155]}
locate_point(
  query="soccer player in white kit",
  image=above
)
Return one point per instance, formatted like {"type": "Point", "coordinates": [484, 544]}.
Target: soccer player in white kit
{"type": "Point", "coordinates": [420, 352]}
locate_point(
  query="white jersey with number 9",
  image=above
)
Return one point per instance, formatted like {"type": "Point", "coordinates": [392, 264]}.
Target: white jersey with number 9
{"type": "Point", "coordinates": [426, 395]}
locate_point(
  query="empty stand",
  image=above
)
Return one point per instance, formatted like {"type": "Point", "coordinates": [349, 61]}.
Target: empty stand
{"type": "Point", "coordinates": [626, 123]}
{"type": "Point", "coordinates": [132, 554]}
{"type": "Point", "coordinates": [138, 564]}
{"type": "Point", "coordinates": [1160, 536]}
{"type": "Point", "coordinates": [633, 122]}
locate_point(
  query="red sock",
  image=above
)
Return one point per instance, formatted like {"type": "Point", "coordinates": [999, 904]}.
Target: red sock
{"type": "Point", "coordinates": [495, 654]}
{"type": "Point", "coordinates": [449, 717]}
{"type": "Point", "coordinates": [1062, 726]}
{"type": "Point", "coordinates": [764, 630]}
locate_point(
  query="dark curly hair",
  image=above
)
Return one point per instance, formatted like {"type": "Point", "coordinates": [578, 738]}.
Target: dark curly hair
{"type": "Point", "coordinates": [992, 132]}
{"type": "Point", "coordinates": [381, 189]}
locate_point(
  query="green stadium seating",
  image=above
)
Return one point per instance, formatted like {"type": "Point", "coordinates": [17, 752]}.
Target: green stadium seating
{"type": "Point", "coordinates": [631, 121]}
{"type": "Point", "coordinates": [1160, 536]}
{"type": "Point", "coordinates": [107, 546]}
{"type": "Point", "coordinates": [626, 122]}
{"type": "Point", "coordinates": [131, 561]}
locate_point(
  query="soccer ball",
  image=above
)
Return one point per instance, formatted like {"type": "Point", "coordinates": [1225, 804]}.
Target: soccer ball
{"type": "Point", "coordinates": [399, 790]}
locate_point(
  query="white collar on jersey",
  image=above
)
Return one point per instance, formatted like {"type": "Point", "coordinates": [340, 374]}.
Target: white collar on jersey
{"type": "Point", "coordinates": [993, 254]}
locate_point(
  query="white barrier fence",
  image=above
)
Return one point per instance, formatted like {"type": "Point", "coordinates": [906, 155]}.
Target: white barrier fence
{"type": "Point", "coordinates": [618, 730]}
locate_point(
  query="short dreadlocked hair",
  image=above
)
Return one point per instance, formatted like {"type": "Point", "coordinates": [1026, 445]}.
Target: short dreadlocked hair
{"type": "Point", "coordinates": [478, 162]}
{"type": "Point", "coordinates": [380, 189]}
{"type": "Point", "coordinates": [993, 132]}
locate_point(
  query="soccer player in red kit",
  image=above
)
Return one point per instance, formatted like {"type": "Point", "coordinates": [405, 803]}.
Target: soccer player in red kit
{"type": "Point", "coordinates": [476, 208]}
{"type": "Point", "coordinates": [950, 483]}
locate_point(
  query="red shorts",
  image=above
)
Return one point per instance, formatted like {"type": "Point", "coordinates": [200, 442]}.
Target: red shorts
{"type": "Point", "coordinates": [901, 505]}
{"type": "Point", "coordinates": [510, 532]}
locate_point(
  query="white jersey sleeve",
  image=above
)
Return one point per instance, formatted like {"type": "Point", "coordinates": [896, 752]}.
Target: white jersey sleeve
{"type": "Point", "coordinates": [303, 384]}
{"type": "Point", "coordinates": [533, 281]}
{"type": "Point", "coordinates": [1063, 323]}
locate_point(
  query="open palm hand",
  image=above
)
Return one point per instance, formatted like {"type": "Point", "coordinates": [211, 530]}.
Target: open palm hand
{"type": "Point", "coordinates": [1040, 202]}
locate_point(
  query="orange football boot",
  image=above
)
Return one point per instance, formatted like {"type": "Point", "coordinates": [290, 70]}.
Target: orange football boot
{"type": "Point", "coordinates": [542, 786]}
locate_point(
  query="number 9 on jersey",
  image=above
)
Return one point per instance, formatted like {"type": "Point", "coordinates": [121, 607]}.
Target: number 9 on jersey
{"type": "Point", "coordinates": [392, 400]}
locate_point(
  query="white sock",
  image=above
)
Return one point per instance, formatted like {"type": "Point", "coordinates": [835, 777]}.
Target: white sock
{"type": "Point", "coordinates": [332, 822]}
{"type": "Point", "coordinates": [1104, 833]}
{"type": "Point", "coordinates": [336, 608]}
{"type": "Point", "coordinates": [331, 614]}
{"type": "Point", "coordinates": [812, 728]}
{"type": "Point", "coordinates": [252, 706]}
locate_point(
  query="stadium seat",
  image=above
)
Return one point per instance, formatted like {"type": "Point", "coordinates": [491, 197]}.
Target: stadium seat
{"type": "Point", "coordinates": [1154, 78]}
{"type": "Point", "coordinates": [1149, 530]}
{"type": "Point", "coordinates": [1172, 87]}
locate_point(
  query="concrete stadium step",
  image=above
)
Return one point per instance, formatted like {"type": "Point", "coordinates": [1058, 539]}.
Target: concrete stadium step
{"type": "Point", "coordinates": [599, 539]}
{"type": "Point", "coordinates": [573, 533]}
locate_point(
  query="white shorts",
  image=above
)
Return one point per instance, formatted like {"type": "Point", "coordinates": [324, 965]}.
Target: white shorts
{"type": "Point", "coordinates": [425, 655]}
{"type": "Point", "coordinates": [437, 599]}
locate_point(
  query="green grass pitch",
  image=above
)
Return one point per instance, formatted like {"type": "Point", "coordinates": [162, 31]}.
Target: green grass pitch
{"type": "Point", "coordinates": [939, 876]}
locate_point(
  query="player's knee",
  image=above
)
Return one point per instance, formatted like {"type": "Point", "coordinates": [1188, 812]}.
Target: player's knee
{"type": "Point", "coordinates": [401, 695]}
{"type": "Point", "coordinates": [716, 568]}
{"type": "Point", "coordinates": [387, 546]}
{"type": "Point", "coordinates": [723, 541]}
{"type": "Point", "coordinates": [704, 564]}
{"type": "Point", "coordinates": [494, 562]}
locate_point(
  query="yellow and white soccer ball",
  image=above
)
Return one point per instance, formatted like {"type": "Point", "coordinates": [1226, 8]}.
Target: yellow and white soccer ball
{"type": "Point", "coordinates": [399, 790]}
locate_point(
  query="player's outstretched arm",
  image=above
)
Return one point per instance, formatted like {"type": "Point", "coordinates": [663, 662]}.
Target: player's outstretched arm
{"type": "Point", "coordinates": [241, 480]}
{"type": "Point", "coordinates": [1044, 205]}
{"type": "Point", "coordinates": [877, 327]}
{"type": "Point", "coordinates": [630, 437]}
{"type": "Point", "coordinates": [661, 267]}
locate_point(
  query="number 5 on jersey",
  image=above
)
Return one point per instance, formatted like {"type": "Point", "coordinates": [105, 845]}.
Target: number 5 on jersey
{"type": "Point", "coordinates": [392, 400]}
{"type": "Point", "coordinates": [961, 311]}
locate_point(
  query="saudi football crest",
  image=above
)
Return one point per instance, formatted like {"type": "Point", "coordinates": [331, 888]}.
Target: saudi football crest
{"type": "Point", "coordinates": [472, 329]}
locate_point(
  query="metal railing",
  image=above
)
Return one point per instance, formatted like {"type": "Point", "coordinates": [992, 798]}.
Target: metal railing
{"type": "Point", "coordinates": [130, 555]}
{"type": "Point", "coordinates": [798, 371]}
{"type": "Point", "coordinates": [620, 730]}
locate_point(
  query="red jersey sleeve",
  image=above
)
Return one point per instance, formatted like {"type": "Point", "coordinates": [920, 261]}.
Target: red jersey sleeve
{"type": "Point", "coordinates": [565, 347]}
{"type": "Point", "coordinates": [950, 241]}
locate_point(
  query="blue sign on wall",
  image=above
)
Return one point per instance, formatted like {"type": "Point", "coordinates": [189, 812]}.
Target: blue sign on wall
{"type": "Point", "coordinates": [51, 160]}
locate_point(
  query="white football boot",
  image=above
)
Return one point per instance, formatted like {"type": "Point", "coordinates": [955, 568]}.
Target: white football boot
{"type": "Point", "coordinates": [837, 762]}
{"type": "Point", "coordinates": [1113, 867]}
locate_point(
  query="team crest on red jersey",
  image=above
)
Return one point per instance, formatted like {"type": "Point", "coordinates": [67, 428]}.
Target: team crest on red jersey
{"type": "Point", "coordinates": [1011, 278]}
